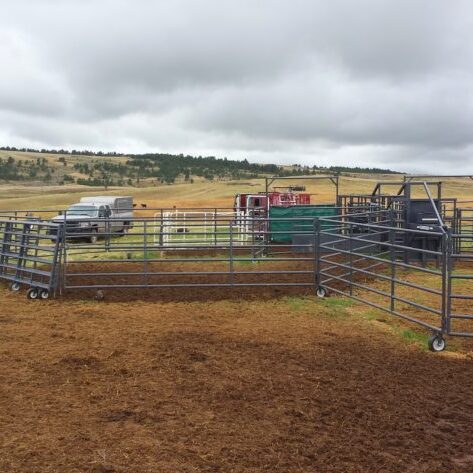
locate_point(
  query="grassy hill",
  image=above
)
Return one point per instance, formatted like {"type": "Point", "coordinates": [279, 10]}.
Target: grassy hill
{"type": "Point", "coordinates": [113, 169]}
{"type": "Point", "coordinates": [199, 194]}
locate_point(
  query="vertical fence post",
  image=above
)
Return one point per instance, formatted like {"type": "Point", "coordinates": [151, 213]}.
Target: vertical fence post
{"type": "Point", "coordinates": [215, 227]}
{"type": "Point", "coordinates": [350, 256]}
{"type": "Point", "coordinates": [392, 257]}
{"type": "Point", "coordinates": [231, 255]}
{"type": "Point", "coordinates": [161, 229]}
{"type": "Point", "coordinates": [60, 241]}
{"type": "Point", "coordinates": [55, 267]}
{"type": "Point", "coordinates": [266, 230]}
{"type": "Point", "coordinates": [447, 260]}
{"type": "Point", "coordinates": [251, 229]}
{"type": "Point", "coordinates": [108, 233]}
{"type": "Point", "coordinates": [63, 230]}
{"type": "Point", "coordinates": [145, 251]}
{"type": "Point", "coordinates": [317, 253]}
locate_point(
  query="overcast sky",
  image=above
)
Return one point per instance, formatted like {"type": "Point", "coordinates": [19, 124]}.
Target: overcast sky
{"type": "Point", "coordinates": [385, 83]}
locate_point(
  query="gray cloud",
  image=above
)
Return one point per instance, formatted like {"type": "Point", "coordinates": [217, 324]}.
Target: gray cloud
{"type": "Point", "coordinates": [374, 82]}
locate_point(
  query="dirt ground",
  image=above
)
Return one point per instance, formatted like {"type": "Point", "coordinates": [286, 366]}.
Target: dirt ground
{"type": "Point", "coordinates": [289, 278]}
{"type": "Point", "coordinates": [291, 384]}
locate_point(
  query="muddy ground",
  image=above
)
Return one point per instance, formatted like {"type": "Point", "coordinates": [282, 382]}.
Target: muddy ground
{"type": "Point", "coordinates": [284, 385]}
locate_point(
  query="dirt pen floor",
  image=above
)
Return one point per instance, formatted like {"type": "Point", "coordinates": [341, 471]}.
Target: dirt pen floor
{"type": "Point", "coordinates": [289, 384]}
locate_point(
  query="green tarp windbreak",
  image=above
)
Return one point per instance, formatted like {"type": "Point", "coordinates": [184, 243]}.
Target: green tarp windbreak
{"type": "Point", "coordinates": [282, 230]}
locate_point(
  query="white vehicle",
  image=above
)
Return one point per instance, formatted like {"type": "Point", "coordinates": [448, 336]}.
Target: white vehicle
{"type": "Point", "coordinates": [93, 216]}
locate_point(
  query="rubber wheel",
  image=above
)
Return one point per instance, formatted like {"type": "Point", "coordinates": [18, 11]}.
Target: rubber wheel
{"type": "Point", "coordinates": [15, 286]}
{"type": "Point", "coordinates": [321, 292]}
{"type": "Point", "coordinates": [437, 343]}
{"type": "Point", "coordinates": [44, 294]}
{"type": "Point", "coordinates": [32, 293]}
{"type": "Point", "coordinates": [93, 236]}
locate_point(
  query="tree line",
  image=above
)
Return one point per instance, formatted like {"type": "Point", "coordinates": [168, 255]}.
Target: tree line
{"type": "Point", "coordinates": [158, 167]}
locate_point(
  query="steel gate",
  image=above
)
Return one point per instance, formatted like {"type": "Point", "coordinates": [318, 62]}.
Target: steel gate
{"type": "Point", "coordinates": [29, 256]}
{"type": "Point", "coordinates": [417, 275]}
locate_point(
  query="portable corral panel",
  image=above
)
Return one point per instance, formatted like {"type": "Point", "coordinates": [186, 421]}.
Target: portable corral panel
{"type": "Point", "coordinates": [29, 255]}
{"type": "Point", "coordinates": [286, 221]}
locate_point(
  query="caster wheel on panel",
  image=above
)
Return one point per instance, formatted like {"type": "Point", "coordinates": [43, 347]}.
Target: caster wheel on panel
{"type": "Point", "coordinates": [15, 286]}
{"type": "Point", "coordinates": [44, 294]}
{"type": "Point", "coordinates": [437, 343]}
{"type": "Point", "coordinates": [32, 293]}
{"type": "Point", "coordinates": [321, 292]}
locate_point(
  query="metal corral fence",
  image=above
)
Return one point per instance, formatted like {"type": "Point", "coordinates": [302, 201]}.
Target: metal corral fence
{"type": "Point", "coordinates": [176, 248]}
{"type": "Point", "coordinates": [420, 272]}
{"type": "Point", "coordinates": [422, 276]}
{"type": "Point", "coordinates": [182, 248]}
